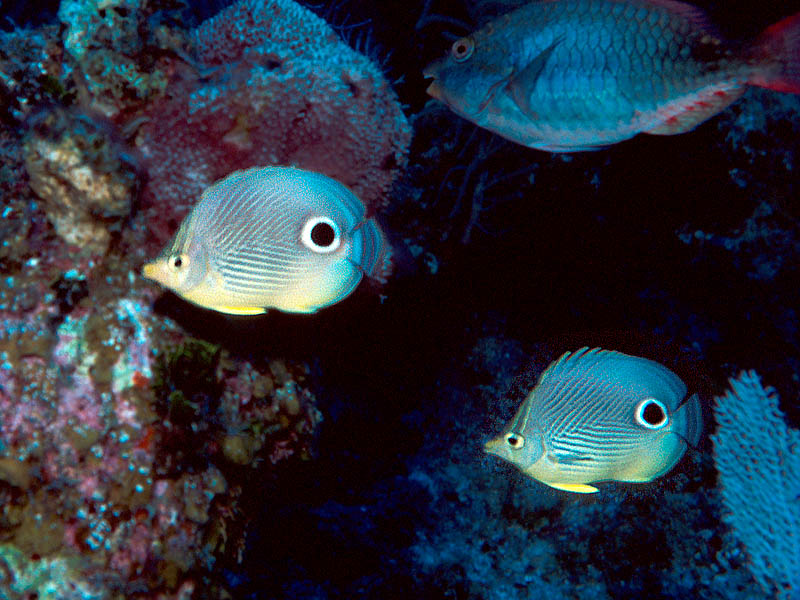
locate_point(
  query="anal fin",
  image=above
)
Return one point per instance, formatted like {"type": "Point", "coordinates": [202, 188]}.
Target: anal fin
{"type": "Point", "coordinates": [241, 310]}
{"type": "Point", "coordinates": [578, 488]}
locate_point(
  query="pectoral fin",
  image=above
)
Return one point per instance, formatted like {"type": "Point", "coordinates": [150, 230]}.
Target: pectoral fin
{"type": "Point", "coordinates": [563, 458]}
{"type": "Point", "coordinates": [578, 488]}
{"type": "Point", "coordinates": [498, 85]}
{"type": "Point", "coordinates": [522, 83]}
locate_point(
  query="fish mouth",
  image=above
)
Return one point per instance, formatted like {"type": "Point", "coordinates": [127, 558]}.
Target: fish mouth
{"type": "Point", "coordinates": [492, 445]}
{"type": "Point", "coordinates": [432, 72]}
{"type": "Point", "coordinates": [149, 270]}
{"type": "Point", "coordinates": [435, 89]}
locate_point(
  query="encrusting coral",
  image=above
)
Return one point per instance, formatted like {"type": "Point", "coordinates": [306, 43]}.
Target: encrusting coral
{"type": "Point", "coordinates": [84, 176]}
{"type": "Point", "coordinates": [115, 468]}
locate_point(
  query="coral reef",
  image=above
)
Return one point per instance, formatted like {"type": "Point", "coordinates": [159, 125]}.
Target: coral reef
{"type": "Point", "coordinates": [126, 446]}
{"type": "Point", "coordinates": [759, 471]}
{"type": "Point", "coordinates": [273, 84]}
{"type": "Point", "coordinates": [109, 481]}
{"type": "Point", "coordinates": [85, 177]}
{"type": "Point", "coordinates": [31, 72]}
{"type": "Point", "coordinates": [114, 50]}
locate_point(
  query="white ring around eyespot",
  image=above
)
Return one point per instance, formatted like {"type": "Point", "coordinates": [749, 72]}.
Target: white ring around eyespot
{"type": "Point", "coordinates": [305, 236]}
{"type": "Point", "coordinates": [638, 414]}
{"type": "Point", "coordinates": [521, 438]}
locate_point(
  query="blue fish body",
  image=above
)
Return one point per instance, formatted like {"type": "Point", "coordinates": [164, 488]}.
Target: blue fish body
{"type": "Point", "coordinates": [566, 75]}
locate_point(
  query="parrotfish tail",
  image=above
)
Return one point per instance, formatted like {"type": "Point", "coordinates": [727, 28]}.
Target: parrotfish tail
{"type": "Point", "coordinates": [376, 256]}
{"type": "Point", "coordinates": [778, 49]}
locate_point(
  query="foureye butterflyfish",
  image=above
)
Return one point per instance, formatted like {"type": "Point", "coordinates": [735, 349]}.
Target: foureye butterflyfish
{"type": "Point", "coordinates": [600, 415]}
{"type": "Point", "coordinates": [272, 237]}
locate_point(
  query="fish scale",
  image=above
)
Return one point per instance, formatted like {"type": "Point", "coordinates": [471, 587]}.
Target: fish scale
{"type": "Point", "coordinates": [567, 75]}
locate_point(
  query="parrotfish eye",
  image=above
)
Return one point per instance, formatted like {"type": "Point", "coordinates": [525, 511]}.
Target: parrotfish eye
{"type": "Point", "coordinates": [178, 261]}
{"type": "Point", "coordinates": [651, 414]}
{"type": "Point", "coordinates": [515, 440]}
{"type": "Point", "coordinates": [462, 49]}
{"type": "Point", "coordinates": [321, 234]}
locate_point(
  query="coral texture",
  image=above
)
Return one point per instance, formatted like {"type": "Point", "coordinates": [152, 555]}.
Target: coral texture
{"type": "Point", "coordinates": [120, 473]}
{"type": "Point", "coordinates": [274, 84]}
{"type": "Point", "coordinates": [112, 49]}
{"type": "Point", "coordinates": [85, 178]}
{"type": "Point", "coordinates": [758, 458]}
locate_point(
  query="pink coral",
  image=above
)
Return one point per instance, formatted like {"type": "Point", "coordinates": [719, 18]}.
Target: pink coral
{"type": "Point", "coordinates": [281, 87]}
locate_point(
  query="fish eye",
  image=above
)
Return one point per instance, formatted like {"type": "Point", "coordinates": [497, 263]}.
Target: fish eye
{"type": "Point", "coordinates": [515, 440]}
{"type": "Point", "coordinates": [178, 261]}
{"type": "Point", "coordinates": [651, 414]}
{"type": "Point", "coordinates": [462, 49]}
{"type": "Point", "coordinates": [321, 234]}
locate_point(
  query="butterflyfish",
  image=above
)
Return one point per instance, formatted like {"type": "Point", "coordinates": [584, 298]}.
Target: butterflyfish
{"type": "Point", "coordinates": [600, 415]}
{"type": "Point", "coordinates": [272, 237]}
{"type": "Point", "coordinates": [569, 75]}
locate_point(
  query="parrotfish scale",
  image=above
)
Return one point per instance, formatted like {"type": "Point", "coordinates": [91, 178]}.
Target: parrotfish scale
{"type": "Point", "coordinates": [629, 11]}
{"type": "Point", "coordinates": [640, 43]}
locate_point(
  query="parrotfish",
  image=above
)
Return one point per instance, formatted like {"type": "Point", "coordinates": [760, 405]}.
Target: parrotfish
{"type": "Point", "coordinates": [272, 237]}
{"type": "Point", "coordinates": [569, 75]}
{"type": "Point", "coordinates": [600, 415]}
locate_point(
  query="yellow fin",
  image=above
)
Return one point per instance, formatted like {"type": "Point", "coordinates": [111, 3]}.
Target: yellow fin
{"type": "Point", "coordinates": [579, 488]}
{"type": "Point", "coordinates": [240, 310]}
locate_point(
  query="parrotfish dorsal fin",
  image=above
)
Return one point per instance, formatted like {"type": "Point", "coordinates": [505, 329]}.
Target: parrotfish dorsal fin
{"type": "Point", "coordinates": [690, 13]}
{"type": "Point", "coordinates": [578, 488]}
{"type": "Point", "coordinates": [687, 113]}
{"type": "Point", "coordinates": [521, 84]}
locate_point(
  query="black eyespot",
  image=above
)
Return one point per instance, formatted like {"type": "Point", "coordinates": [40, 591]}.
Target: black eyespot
{"type": "Point", "coordinates": [651, 414]}
{"type": "Point", "coordinates": [323, 235]}
{"type": "Point", "coordinates": [462, 49]}
{"type": "Point", "coordinates": [177, 262]}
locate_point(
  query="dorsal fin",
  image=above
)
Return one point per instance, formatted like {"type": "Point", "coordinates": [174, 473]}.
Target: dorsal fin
{"type": "Point", "coordinates": [689, 13]}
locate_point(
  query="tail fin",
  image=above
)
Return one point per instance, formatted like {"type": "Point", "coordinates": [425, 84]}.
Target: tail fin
{"type": "Point", "coordinates": [693, 416]}
{"type": "Point", "coordinates": [778, 49]}
{"type": "Point", "coordinates": [376, 257]}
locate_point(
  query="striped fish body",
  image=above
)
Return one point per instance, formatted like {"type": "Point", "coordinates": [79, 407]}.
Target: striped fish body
{"type": "Point", "coordinates": [273, 237]}
{"type": "Point", "coordinates": [567, 75]}
{"type": "Point", "coordinates": [598, 415]}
